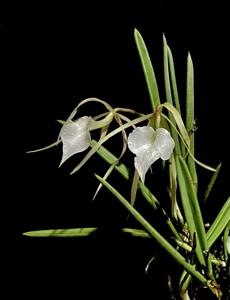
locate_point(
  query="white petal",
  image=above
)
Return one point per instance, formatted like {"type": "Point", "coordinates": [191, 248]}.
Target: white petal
{"type": "Point", "coordinates": [141, 139]}
{"type": "Point", "coordinates": [75, 137]}
{"type": "Point", "coordinates": [163, 144]}
{"type": "Point", "coordinates": [144, 161]}
{"type": "Point", "coordinates": [149, 145]}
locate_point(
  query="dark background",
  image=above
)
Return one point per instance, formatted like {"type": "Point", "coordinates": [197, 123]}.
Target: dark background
{"type": "Point", "coordinates": [47, 69]}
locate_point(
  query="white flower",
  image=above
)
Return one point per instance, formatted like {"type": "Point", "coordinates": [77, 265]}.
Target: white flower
{"type": "Point", "coordinates": [149, 145]}
{"type": "Point", "coordinates": [75, 137]}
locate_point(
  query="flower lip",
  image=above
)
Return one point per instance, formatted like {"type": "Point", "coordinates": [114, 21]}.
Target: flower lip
{"type": "Point", "coordinates": [149, 145]}
{"type": "Point", "coordinates": [75, 137]}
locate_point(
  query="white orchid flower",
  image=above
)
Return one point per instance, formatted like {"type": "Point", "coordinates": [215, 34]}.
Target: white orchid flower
{"type": "Point", "coordinates": [149, 145]}
{"type": "Point", "coordinates": [75, 137]}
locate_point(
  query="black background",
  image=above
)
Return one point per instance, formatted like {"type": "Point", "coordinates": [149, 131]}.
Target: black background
{"type": "Point", "coordinates": [47, 68]}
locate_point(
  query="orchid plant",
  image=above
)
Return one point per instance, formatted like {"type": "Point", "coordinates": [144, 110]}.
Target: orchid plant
{"type": "Point", "coordinates": [162, 134]}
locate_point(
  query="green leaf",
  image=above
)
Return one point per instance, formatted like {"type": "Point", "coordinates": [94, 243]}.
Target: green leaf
{"type": "Point", "coordinates": [184, 283]}
{"type": "Point", "coordinates": [154, 233]}
{"type": "Point", "coordinates": [175, 211]}
{"type": "Point", "coordinates": [148, 70]}
{"type": "Point", "coordinates": [134, 187]}
{"type": "Point", "coordinates": [168, 94]}
{"type": "Point", "coordinates": [191, 208]}
{"type": "Point", "coordinates": [173, 186]}
{"type": "Point", "coordinates": [176, 101]}
{"type": "Point", "coordinates": [81, 232]}
{"type": "Point", "coordinates": [108, 172]}
{"type": "Point", "coordinates": [219, 223]}
{"type": "Point", "coordinates": [190, 119]}
{"type": "Point", "coordinates": [189, 94]}
{"type": "Point", "coordinates": [166, 72]}
{"type": "Point", "coordinates": [225, 240]}
{"type": "Point", "coordinates": [70, 232]}
{"type": "Point", "coordinates": [211, 183]}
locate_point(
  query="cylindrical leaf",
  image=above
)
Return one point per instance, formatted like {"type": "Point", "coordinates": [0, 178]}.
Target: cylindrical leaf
{"type": "Point", "coordinates": [148, 70]}
{"type": "Point", "coordinates": [191, 208]}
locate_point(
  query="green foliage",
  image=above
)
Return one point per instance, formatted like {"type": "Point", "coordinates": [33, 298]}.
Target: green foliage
{"type": "Point", "coordinates": [148, 70]}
